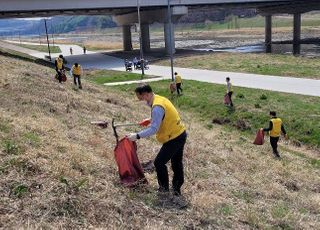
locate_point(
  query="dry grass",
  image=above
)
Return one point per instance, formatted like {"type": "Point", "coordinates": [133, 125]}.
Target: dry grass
{"type": "Point", "coordinates": [58, 171]}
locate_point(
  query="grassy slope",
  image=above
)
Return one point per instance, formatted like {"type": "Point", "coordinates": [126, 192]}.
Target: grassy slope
{"type": "Point", "coordinates": [299, 113]}
{"type": "Point", "coordinates": [41, 48]}
{"type": "Point", "coordinates": [278, 65]}
{"type": "Point", "coordinates": [254, 22]}
{"type": "Point", "coordinates": [107, 76]}
{"type": "Point", "coordinates": [57, 170]}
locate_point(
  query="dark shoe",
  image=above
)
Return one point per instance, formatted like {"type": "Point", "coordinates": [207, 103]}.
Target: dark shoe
{"type": "Point", "coordinates": [80, 87]}
{"type": "Point", "coordinates": [277, 155]}
{"type": "Point", "coordinates": [180, 201]}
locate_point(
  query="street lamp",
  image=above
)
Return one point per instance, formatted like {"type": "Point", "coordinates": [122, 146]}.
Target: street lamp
{"type": "Point", "coordinates": [170, 38]}
{"type": "Point", "coordinates": [140, 39]}
{"type": "Point", "coordinates": [45, 24]}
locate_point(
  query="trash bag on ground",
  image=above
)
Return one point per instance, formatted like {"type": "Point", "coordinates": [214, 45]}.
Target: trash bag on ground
{"type": "Point", "coordinates": [226, 99]}
{"type": "Point", "coordinates": [130, 170]}
{"type": "Point", "coordinates": [259, 138]}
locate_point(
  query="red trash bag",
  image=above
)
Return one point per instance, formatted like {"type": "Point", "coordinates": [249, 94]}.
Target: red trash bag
{"type": "Point", "coordinates": [130, 170]}
{"type": "Point", "coordinates": [227, 100]}
{"type": "Point", "coordinates": [259, 138]}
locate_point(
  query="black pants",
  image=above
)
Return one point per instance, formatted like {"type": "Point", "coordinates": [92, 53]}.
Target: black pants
{"type": "Point", "coordinates": [274, 145]}
{"type": "Point", "coordinates": [172, 150]}
{"type": "Point", "coordinates": [59, 73]}
{"type": "Point", "coordinates": [230, 96]}
{"type": "Point", "coordinates": [179, 88]}
{"type": "Point", "coordinates": [77, 80]}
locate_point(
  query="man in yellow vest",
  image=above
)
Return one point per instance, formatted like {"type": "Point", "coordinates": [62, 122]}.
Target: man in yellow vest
{"type": "Point", "coordinates": [274, 129]}
{"type": "Point", "coordinates": [178, 81]}
{"type": "Point", "coordinates": [76, 71]}
{"type": "Point", "coordinates": [170, 132]}
{"type": "Point", "coordinates": [59, 64]}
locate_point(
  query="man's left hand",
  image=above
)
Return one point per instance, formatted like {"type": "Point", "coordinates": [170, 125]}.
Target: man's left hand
{"type": "Point", "coordinates": [132, 136]}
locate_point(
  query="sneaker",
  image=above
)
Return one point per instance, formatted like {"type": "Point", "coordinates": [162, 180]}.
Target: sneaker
{"type": "Point", "coordinates": [164, 198]}
{"type": "Point", "coordinates": [180, 201]}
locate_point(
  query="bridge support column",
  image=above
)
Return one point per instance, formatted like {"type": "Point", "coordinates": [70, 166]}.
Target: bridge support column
{"type": "Point", "coordinates": [268, 33]}
{"type": "Point", "coordinates": [145, 35]}
{"type": "Point", "coordinates": [127, 41]}
{"type": "Point", "coordinates": [296, 33]}
{"type": "Point", "coordinates": [169, 43]}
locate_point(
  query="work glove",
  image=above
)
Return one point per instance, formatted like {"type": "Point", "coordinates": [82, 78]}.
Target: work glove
{"type": "Point", "coordinates": [145, 122]}
{"type": "Point", "coordinates": [132, 137]}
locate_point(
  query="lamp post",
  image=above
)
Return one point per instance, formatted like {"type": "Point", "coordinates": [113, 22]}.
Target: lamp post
{"type": "Point", "coordinates": [170, 38]}
{"type": "Point", "coordinates": [140, 40]}
{"type": "Point", "coordinates": [45, 24]}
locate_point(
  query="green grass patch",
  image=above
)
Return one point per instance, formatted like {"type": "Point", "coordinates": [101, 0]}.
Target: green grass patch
{"type": "Point", "coordinates": [19, 190]}
{"type": "Point", "coordinates": [265, 64]}
{"type": "Point", "coordinates": [32, 138]}
{"type": "Point", "coordinates": [109, 76]}
{"type": "Point", "coordinates": [11, 147]}
{"type": "Point", "coordinates": [205, 100]}
{"type": "Point", "coordinates": [41, 48]}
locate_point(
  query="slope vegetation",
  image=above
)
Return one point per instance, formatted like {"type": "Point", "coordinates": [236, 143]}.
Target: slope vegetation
{"type": "Point", "coordinates": [58, 171]}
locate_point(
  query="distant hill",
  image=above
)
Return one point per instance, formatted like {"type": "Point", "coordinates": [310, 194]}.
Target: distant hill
{"type": "Point", "coordinates": [59, 24]}
{"type": "Point", "coordinates": [65, 24]}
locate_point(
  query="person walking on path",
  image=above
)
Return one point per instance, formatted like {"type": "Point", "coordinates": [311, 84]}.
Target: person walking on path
{"type": "Point", "coordinates": [275, 128]}
{"type": "Point", "coordinates": [84, 50]}
{"type": "Point", "coordinates": [60, 68]}
{"type": "Point", "coordinates": [71, 50]}
{"type": "Point", "coordinates": [171, 133]}
{"type": "Point", "coordinates": [178, 81]}
{"type": "Point", "coordinates": [76, 72]}
{"type": "Point", "coordinates": [229, 91]}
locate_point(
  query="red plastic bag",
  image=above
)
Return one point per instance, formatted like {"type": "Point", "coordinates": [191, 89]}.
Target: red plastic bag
{"type": "Point", "coordinates": [130, 170]}
{"type": "Point", "coordinates": [226, 99]}
{"type": "Point", "coordinates": [145, 122]}
{"type": "Point", "coordinates": [259, 138]}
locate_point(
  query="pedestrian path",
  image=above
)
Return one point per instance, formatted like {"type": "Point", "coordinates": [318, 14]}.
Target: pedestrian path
{"type": "Point", "coordinates": [95, 60]}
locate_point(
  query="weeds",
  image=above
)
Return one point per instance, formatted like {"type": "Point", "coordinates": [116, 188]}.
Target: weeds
{"type": "Point", "coordinates": [10, 147]}
{"type": "Point", "coordinates": [20, 190]}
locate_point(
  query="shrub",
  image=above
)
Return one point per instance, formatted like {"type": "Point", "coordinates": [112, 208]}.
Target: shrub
{"type": "Point", "coordinates": [263, 97]}
{"type": "Point", "coordinates": [257, 105]}
{"type": "Point", "coordinates": [240, 95]}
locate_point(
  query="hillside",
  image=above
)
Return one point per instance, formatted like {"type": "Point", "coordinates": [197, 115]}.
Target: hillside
{"type": "Point", "coordinates": [58, 171]}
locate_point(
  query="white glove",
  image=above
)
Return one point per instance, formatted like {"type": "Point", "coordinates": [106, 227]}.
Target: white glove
{"type": "Point", "coordinates": [132, 136]}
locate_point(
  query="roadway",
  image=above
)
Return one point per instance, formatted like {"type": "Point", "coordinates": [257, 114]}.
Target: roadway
{"type": "Point", "coordinates": [95, 60]}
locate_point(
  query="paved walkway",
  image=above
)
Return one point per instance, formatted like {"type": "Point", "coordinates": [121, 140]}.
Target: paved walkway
{"type": "Point", "coordinates": [93, 60]}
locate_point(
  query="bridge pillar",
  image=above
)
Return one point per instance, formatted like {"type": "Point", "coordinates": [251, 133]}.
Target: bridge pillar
{"type": "Point", "coordinates": [296, 33]}
{"type": "Point", "coordinates": [127, 41]}
{"type": "Point", "coordinates": [169, 44]}
{"type": "Point", "coordinates": [145, 36]}
{"type": "Point", "coordinates": [268, 33]}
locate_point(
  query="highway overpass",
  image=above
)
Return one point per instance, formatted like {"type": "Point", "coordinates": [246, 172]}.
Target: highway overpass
{"type": "Point", "coordinates": [125, 13]}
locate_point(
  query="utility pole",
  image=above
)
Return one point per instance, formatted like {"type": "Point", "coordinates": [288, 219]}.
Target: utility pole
{"type": "Point", "coordinates": [140, 39]}
{"type": "Point", "coordinates": [170, 37]}
{"type": "Point", "coordinates": [45, 24]}
{"type": "Point", "coordinates": [52, 32]}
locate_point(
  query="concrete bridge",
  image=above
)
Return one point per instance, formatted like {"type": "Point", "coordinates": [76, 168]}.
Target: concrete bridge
{"type": "Point", "coordinates": [125, 13]}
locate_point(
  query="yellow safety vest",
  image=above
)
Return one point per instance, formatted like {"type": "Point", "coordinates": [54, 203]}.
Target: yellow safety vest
{"type": "Point", "coordinates": [76, 70]}
{"type": "Point", "coordinates": [276, 127]}
{"type": "Point", "coordinates": [59, 63]}
{"type": "Point", "coordinates": [178, 79]}
{"type": "Point", "coordinates": [171, 125]}
{"type": "Point", "coordinates": [230, 87]}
